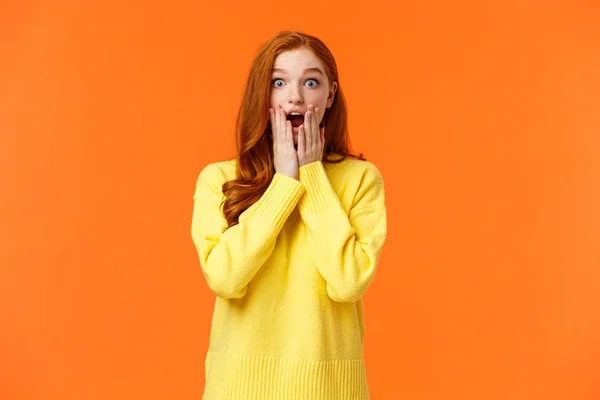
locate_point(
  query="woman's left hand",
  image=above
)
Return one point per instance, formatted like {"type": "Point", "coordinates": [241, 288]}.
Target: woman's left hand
{"type": "Point", "coordinates": [311, 139]}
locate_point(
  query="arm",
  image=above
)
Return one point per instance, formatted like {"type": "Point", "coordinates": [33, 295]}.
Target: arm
{"type": "Point", "coordinates": [230, 259]}
{"type": "Point", "coordinates": [345, 248]}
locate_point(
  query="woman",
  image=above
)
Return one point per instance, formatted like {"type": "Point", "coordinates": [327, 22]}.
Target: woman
{"type": "Point", "coordinates": [289, 234]}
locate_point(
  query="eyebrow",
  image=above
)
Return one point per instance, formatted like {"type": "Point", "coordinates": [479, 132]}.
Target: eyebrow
{"type": "Point", "coordinates": [313, 69]}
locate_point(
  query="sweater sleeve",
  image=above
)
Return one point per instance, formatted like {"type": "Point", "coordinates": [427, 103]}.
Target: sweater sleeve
{"type": "Point", "coordinates": [344, 247]}
{"type": "Point", "coordinates": [231, 258]}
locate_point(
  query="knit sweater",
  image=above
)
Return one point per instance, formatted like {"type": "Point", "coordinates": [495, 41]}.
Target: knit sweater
{"type": "Point", "coordinates": [289, 281]}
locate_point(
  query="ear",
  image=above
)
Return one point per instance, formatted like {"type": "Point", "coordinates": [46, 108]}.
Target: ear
{"type": "Point", "coordinates": [331, 96]}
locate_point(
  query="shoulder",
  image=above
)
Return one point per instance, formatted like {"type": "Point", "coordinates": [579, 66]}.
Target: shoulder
{"type": "Point", "coordinates": [215, 174]}
{"type": "Point", "coordinates": [359, 183]}
{"type": "Point", "coordinates": [353, 169]}
{"type": "Point", "coordinates": [219, 168]}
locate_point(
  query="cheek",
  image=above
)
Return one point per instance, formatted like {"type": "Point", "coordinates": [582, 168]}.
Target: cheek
{"type": "Point", "coordinates": [274, 100]}
{"type": "Point", "coordinates": [322, 105]}
{"type": "Point", "coordinates": [322, 110]}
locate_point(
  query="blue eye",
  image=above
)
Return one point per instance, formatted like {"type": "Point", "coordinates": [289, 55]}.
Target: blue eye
{"type": "Point", "coordinates": [273, 82]}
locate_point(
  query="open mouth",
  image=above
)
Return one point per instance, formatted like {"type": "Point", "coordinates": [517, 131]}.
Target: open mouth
{"type": "Point", "coordinates": [296, 119]}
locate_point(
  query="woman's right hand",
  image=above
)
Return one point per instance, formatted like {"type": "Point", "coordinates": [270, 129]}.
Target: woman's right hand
{"type": "Point", "coordinates": [286, 158]}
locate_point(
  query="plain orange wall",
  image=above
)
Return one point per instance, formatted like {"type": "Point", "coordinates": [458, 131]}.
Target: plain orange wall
{"type": "Point", "coordinates": [483, 116]}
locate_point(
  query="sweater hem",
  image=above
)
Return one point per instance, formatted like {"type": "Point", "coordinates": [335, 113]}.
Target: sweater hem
{"type": "Point", "coordinates": [232, 376]}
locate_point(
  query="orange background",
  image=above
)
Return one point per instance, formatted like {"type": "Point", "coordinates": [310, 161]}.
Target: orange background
{"type": "Point", "coordinates": [483, 117]}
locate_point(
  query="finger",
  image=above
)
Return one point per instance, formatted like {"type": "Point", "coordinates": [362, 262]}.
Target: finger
{"type": "Point", "coordinates": [276, 121]}
{"type": "Point", "coordinates": [301, 141]}
{"type": "Point", "coordinates": [284, 123]}
{"type": "Point", "coordinates": [308, 129]}
{"type": "Point", "coordinates": [289, 134]}
{"type": "Point", "coordinates": [322, 137]}
{"type": "Point", "coordinates": [272, 119]}
{"type": "Point", "coordinates": [280, 124]}
{"type": "Point", "coordinates": [316, 127]}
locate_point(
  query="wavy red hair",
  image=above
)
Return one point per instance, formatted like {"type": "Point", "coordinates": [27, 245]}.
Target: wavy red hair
{"type": "Point", "coordinates": [255, 167]}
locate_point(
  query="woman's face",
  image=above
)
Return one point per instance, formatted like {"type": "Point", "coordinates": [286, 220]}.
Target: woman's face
{"type": "Point", "coordinates": [299, 80]}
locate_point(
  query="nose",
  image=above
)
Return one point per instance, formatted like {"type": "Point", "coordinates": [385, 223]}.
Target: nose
{"type": "Point", "coordinates": [295, 95]}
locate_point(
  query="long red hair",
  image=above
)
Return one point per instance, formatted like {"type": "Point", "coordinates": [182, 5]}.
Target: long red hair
{"type": "Point", "coordinates": [255, 167]}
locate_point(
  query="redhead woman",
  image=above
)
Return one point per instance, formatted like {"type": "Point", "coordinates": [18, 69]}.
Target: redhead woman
{"type": "Point", "coordinates": [289, 235]}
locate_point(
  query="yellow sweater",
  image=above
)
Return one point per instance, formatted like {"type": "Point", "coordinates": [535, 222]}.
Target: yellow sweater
{"type": "Point", "coordinates": [289, 280]}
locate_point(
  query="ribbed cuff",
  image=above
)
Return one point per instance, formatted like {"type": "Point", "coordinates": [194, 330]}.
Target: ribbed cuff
{"type": "Point", "coordinates": [280, 199]}
{"type": "Point", "coordinates": [319, 193]}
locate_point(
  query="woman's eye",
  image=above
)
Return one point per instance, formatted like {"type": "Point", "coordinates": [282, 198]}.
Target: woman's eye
{"type": "Point", "coordinates": [275, 82]}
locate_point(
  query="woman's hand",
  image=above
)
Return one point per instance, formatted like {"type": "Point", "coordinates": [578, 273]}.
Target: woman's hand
{"type": "Point", "coordinates": [285, 156]}
{"type": "Point", "coordinates": [311, 139]}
